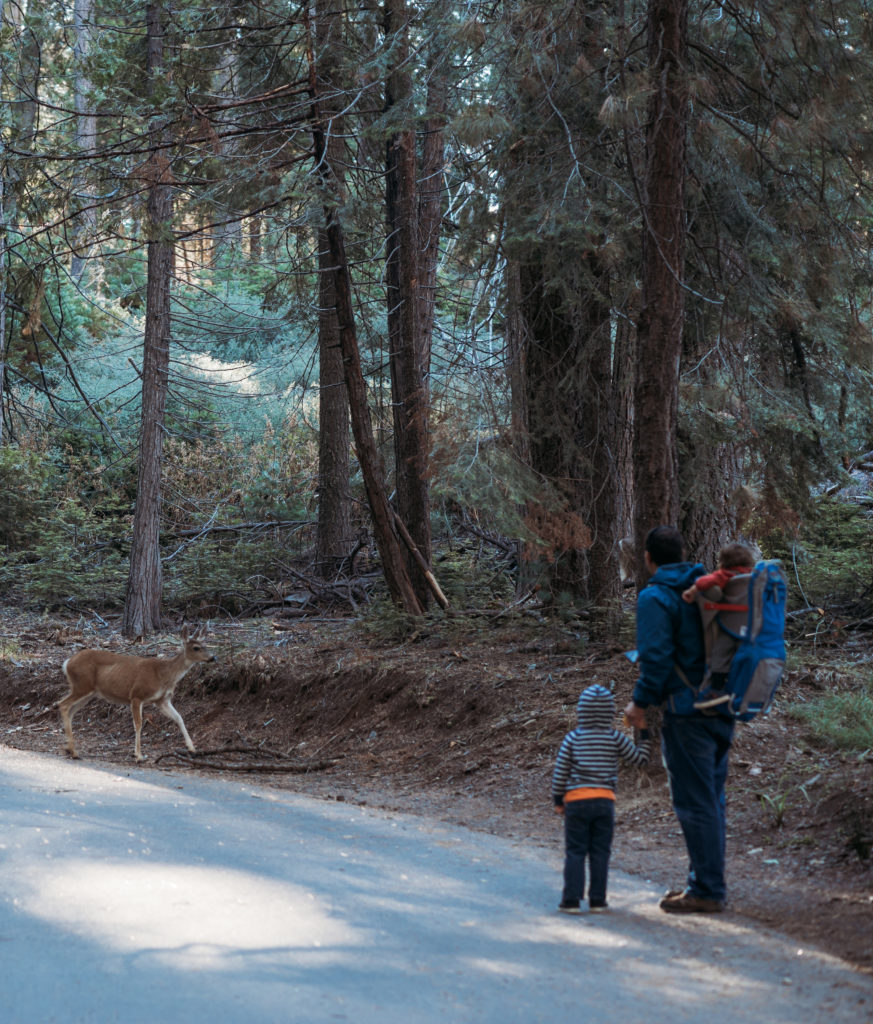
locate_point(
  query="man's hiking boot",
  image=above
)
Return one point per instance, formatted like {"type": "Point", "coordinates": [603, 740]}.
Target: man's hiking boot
{"type": "Point", "coordinates": [685, 902]}
{"type": "Point", "coordinates": [569, 907]}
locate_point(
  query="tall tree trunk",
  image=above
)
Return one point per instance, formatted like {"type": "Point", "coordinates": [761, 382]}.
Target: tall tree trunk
{"type": "Point", "coordinates": [24, 77]}
{"type": "Point", "coordinates": [659, 331]}
{"type": "Point", "coordinates": [4, 342]}
{"type": "Point", "coordinates": [142, 607]}
{"type": "Point", "coordinates": [558, 302]}
{"type": "Point", "coordinates": [390, 551]}
{"type": "Point", "coordinates": [429, 220]}
{"type": "Point", "coordinates": [227, 230]}
{"type": "Point", "coordinates": [571, 423]}
{"type": "Point", "coordinates": [407, 351]}
{"type": "Point", "coordinates": [599, 443]}
{"type": "Point", "coordinates": [86, 139]}
{"type": "Point", "coordinates": [333, 533]}
{"type": "Point", "coordinates": [517, 346]}
{"type": "Point", "coordinates": [711, 472]}
{"type": "Point", "coordinates": [255, 236]}
{"type": "Point", "coordinates": [623, 390]}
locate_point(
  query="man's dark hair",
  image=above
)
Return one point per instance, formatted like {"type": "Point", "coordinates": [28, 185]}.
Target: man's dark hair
{"type": "Point", "coordinates": [736, 556]}
{"type": "Point", "coordinates": [665, 545]}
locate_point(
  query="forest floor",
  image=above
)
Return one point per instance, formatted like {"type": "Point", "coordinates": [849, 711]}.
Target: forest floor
{"type": "Point", "coordinates": [461, 721]}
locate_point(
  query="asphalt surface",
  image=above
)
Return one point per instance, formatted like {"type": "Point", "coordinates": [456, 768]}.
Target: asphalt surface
{"type": "Point", "coordinates": [144, 897]}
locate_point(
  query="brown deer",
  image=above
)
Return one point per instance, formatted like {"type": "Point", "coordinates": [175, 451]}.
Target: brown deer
{"type": "Point", "coordinates": [126, 679]}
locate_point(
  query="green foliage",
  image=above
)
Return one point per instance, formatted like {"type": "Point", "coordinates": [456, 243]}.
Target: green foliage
{"type": "Point", "coordinates": [384, 621]}
{"type": "Point", "coordinates": [228, 575]}
{"type": "Point", "coordinates": [67, 518]}
{"type": "Point", "coordinates": [841, 721]}
{"type": "Point", "coordinates": [472, 580]}
{"type": "Point", "coordinates": [829, 560]}
{"type": "Point", "coordinates": [77, 559]}
{"type": "Point", "coordinates": [26, 478]}
{"type": "Point", "coordinates": [482, 476]}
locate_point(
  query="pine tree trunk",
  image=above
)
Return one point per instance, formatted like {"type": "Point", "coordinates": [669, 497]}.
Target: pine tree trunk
{"type": "Point", "coordinates": [392, 555]}
{"type": "Point", "coordinates": [407, 348]}
{"type": "Point", "coordinates": [571, 422]}
{"type": "Point", "coordinates": [623, 388]}
{"type": "Point", "coordinates": [659, 331]}
{"type": "Point", "coordinates": [86, 139]}
{"type": "Point", "coordinates": [333, 532]}
{"type": "Point", "coordinates": [255, 236]}
{"type": "Point", "coordinates": [598, 441]}
{"type": "Point", "coordinates": [333, 540]}
{"type": "Point", "coordinates": [517, 344]}
{"type": "Point", "coordinates": [709, 518]}
{"type": "Point", "coordinates": [142, 607]}
{"type": "Point", "coordinates": [4, 342]}
{"type": "Point", "coordinates": [24, 77]}
{"type": "Point", "coordinates": [430, 199]}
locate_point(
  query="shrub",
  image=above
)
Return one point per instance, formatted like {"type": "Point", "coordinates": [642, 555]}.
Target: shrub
{"type": "Point", "coordinates": [842, 721]}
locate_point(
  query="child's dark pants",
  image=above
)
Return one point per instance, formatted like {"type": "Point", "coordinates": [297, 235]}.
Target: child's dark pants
{"type": "Point", "coordinates": [588, 826]}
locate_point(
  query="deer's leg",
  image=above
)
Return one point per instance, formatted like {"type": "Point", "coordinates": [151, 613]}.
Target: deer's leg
{"type": "Point", "coordinates": [68, 707]}
{"type": "Point", "coordinates": [167, 708]}
{"type": "Point", "coordinates": [136, 711]}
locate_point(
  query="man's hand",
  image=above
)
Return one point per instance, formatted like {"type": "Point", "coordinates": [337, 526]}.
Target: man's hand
{"type": "Point", "coordinates": [635, 716]}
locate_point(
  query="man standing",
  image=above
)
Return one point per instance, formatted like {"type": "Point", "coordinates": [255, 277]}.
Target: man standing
{"type": "Point", "coordinates": [695, 744]}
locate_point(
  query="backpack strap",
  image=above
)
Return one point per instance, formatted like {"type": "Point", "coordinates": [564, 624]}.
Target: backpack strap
{"type": "Point", "coordinates": [676, 667]}
{"type": "Point", "coordinates": [696, 690]}
{"type": "Point", "coordinates": [678, 670]}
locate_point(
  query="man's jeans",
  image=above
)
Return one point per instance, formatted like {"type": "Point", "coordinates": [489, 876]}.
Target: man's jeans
{"type": "Point", "coordinates": [588, 826]}
{"type": "Point", "coordinates": [696, 756]}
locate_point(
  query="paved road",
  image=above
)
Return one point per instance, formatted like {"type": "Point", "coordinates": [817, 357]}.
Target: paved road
{"type": "Point", "coordinates": [141, 897]}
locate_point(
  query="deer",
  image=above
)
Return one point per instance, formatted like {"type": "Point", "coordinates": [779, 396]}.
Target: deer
{"type": "Point", "coordinates": [127, 679]}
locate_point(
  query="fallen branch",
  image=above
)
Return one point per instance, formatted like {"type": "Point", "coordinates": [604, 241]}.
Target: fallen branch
{"type": "Point", "coordinates": [507, 547]}
{"type": "Point", "coordinates": [277, 524]}
{"type": "Point", "coordinates": [198, 760]}
{"type": "Point", "coordinates": [520, 601]}
{"type": "Point", "coordinates": [420, 561]}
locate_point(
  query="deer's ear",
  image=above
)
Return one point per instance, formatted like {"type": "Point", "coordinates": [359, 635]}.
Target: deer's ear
{"type": "Point", "coordinates": [184, 634]}
{"type": "Point", "coordinates": [198, 632]}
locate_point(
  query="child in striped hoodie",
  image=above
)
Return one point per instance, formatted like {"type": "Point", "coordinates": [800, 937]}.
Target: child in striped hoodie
{"type": "Point", "coordinates": [583, 789]}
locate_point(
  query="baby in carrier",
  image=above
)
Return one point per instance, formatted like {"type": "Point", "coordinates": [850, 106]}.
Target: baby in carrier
{"type": "Point", "coordinates": [723, 596]}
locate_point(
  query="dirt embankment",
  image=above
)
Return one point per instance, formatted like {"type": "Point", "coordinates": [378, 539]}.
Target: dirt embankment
{"type": "Point", "coordinates": [463, 723]}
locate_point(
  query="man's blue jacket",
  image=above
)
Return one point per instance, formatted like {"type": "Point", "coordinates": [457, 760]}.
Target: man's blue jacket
{"type": "Point", "coordinates": [669, 633]}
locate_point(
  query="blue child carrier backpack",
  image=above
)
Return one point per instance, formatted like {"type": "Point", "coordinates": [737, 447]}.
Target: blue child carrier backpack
{"type": "Point", "coordinates": [757, 666]}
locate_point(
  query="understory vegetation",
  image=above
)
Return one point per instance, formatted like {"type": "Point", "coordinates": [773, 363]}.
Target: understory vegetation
{"type": "Point", "coordinates": [281, 282]}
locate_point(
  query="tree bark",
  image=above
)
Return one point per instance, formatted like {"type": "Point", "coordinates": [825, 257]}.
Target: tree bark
{"type": "Point", "coordinates": [86, 139]}
{"type": "Point", "coordinates": [390, 550]}
{"type": "Point", "coordinates": [660, 327]}
{"type": "Point", "coordinates": [429, 220]}
{"type": "Point", "coordinates": [142, 607]}
{"type": "Point", "coordinates": [4, 341]}
{"type": "Point", "coordinates": [24, 77]}
{"type": "Point", "coordinates": [571, 421]}
{"type": "Point", "coordinates": [407, 349]}
{"type": "Point", "coordinates": [333, 534]}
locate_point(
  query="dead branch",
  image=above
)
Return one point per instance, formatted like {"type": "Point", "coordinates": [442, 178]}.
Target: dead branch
{"type": "Point", "coordinates": [279, 524]}
{"type": "Point", "coordinates": [507, 547]}
{"type": "Point", "coordinates": [199, 760]}
{"type": "Point", "coordinates": [420, 561]}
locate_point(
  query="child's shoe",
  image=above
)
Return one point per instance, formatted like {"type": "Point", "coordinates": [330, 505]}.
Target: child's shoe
{"type": "Point", "coordinates": [569, 907]}
{"type": "Point", "coordinates": [597, 907]}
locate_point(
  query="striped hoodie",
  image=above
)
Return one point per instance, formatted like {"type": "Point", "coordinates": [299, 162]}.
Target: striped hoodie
{"type": "Point", "coordinates": [588, 756]}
